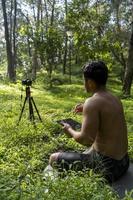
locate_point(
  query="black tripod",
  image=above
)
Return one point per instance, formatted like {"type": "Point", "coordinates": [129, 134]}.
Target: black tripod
{"type": "Point", "coordinates": [31, 104]}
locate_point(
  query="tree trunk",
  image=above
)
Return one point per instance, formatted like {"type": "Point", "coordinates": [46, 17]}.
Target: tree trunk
{"type": "Point", "coordinates": [66, 40]}
{"type": "Point", "coordinates": [52, 14]}
{"type": "Point", "coordinates": [70, 62]}
{"type": "Point", "coordinates": [129, 69]}
{"type": "Point", "coordinates": [34, 65]}
{"type": "Point", "coordinates": [33, 9]}
{"type": "Point", "coordinates": [11, 22]}
{"type": "Point", "coordinates": [47, 17]}
{"type": "Point", "coordinates": [35, 55]}
{"type": "Point", "coordinates": [65, 55]}
{"type": "Point", "coordinates": [119, 56]}
{"type": "Point", "coordinates": [14, 35]}
{"type": "Point", "coordinates": [51, 57]}
{"type": "Point", "coordinates": [10, 70]}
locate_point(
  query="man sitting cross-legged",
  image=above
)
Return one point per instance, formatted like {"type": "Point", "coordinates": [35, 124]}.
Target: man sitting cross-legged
{"type": "Point", "coordinates": [103, 127]}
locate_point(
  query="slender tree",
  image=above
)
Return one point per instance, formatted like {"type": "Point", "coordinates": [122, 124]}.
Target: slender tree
{"type": "Point", "coordinates": [14, 35]}
{"type": "Point", "coordinates": [119, 35]}
{"type": "Point", "coordinates": [10, 57]}
{"type": "Point", "coordinates": [66, 40]}
{"type": "Point", "coordinates": [128, 78]}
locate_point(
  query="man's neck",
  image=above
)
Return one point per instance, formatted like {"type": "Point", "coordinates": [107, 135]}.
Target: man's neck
{"type": "Point", "coordinates": [100, 89]}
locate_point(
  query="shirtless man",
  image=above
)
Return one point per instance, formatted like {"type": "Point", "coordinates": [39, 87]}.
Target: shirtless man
{"type": "Point", "coordinates": [103, 128]}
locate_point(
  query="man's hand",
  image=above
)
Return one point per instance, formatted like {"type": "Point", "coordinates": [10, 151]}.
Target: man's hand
{"type": "Point", "coordinates": [67, 129]}
{"type": "Point", "coordinates": [78, 108]}
{"type": "Point", "coordinates": [70, 132]}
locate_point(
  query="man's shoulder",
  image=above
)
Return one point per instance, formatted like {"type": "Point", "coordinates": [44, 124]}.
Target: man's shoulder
{"type": "Point", "coordinates": [91, 102]}
{"type": "Point", "coordinates": [97, 101]}
{"type": "Point", "coordinates": [94, 100]}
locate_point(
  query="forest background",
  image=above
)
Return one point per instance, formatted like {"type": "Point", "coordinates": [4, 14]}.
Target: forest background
{"type": "Point", "coordinates": [53, 36]}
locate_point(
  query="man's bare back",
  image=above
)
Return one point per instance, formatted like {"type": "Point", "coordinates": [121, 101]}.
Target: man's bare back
{"type": "Point", "coordinates": [111, 137]}
{"type": "Point", "coordinates": [103, 128]}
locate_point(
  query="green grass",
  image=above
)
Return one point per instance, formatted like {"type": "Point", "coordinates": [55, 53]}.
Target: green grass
{"type": "Point", "coordinates": [24, 150]}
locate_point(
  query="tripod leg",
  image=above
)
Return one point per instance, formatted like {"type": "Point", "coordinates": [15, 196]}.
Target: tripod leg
{"type": "Point", "coordinates": [36, 109]}
{"type": "Point", "coordinates": [31, 114]}
{"type": "Point", "coordinates": [22, 110]}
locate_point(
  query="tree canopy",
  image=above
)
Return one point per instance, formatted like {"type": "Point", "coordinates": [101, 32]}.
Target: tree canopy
{"type": "Point", "coordinates": [55, 35]}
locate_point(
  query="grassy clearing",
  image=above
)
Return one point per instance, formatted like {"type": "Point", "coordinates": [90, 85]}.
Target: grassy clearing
{"type": "Point", "coordinates": [24, 150]}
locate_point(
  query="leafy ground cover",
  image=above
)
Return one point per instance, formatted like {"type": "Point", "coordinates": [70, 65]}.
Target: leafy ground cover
{"type": "Point", "coordinates": [24, 150]}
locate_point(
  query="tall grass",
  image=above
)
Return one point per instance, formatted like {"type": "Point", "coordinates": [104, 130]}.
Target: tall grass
{"type": "Point", "coordinates": [25, 150]}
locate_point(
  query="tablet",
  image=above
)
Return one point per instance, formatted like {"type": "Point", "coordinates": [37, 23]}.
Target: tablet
{"type": "Point", "coordinates": [74, 124]}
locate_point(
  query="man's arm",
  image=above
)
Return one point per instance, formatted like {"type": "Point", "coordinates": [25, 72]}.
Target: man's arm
{"type": "Point", "coordinates": [90, 124]}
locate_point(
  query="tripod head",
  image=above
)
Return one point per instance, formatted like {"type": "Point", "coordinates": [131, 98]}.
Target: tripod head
{"type": "Point", "coordinates": [27, 82]}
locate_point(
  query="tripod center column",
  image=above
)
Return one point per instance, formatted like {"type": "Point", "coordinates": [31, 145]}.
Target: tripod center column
{"type": "Point", "coordinates": [28, 92]}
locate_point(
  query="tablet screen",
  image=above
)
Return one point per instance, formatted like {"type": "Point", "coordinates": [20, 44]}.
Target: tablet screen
{"type": "Point", "coordinates": [74, 124]}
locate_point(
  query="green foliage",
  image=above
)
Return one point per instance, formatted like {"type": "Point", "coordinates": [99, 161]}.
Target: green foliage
{"type": "Point", "coordinates": [25, 150]}
{"type": "Point", "coordinates": [100, 30]}
{"type": "Point", "coordinates": [89, 27]}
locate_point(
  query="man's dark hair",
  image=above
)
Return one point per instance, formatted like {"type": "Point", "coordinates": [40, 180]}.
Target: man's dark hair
{"type": "Point", "coordinates": [96, 71]}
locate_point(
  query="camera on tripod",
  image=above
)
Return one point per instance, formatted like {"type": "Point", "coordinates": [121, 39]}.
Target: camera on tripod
{"type": "Point", "coordinates": [27, 82]}
{"type": "Point", "coordinates": [30, 100]}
